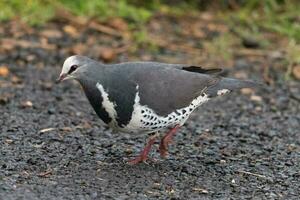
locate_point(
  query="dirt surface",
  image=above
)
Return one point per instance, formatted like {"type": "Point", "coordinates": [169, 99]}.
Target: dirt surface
{"type": "Point", "coordinates": [242, 146]}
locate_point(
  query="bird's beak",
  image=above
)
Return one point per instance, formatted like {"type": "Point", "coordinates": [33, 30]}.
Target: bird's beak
{"type": "Point", "coordinates": [61, 78]}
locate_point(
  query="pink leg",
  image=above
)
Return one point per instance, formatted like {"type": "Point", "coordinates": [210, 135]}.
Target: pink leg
{"type": "Point", "coordinates": [144, 154]}
{"type": "Point", "coordinates": [163, 147]}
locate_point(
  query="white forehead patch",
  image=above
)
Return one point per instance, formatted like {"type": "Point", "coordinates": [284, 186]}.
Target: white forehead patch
{"type": "Point", "coordinates": [72, 60]}
{"type": "Point", "coordinates": [222, 92]}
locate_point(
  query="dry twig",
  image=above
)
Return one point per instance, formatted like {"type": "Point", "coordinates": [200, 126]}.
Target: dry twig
{"type": "Point", "coordinates": [253, 174]}
{"type": "Point", "coordinates": [84, 22]}
{"type": "Point", "coordinates": [46, 173]}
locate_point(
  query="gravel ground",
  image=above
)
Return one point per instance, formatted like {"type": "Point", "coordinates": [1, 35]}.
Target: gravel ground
{"type": "Point", "coordinates": [241, 146]}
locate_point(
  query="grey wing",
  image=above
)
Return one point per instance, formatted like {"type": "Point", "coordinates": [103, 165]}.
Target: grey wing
{"type": "Point", "coordinates": [162, 87]}
{"type": "Point", "coordinates": [165, 89]}
{"type": "Point", "coordinates": [190, 68]}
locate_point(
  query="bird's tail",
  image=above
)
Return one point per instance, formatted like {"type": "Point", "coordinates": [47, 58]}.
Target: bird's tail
{"type": "Point", "coordinates": [226, 85]}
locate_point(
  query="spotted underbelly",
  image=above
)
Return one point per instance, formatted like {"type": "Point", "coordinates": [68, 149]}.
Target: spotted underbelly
{"type": "Point", "coordinates": [144, 119]}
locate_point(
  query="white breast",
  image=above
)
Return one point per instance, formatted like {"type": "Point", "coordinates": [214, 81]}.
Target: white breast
{"type": "Point", "coordinates": [108, 105]}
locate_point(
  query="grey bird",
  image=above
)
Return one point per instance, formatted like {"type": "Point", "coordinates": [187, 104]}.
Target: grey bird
{"type": "Point", "coordinates": [147, 97]}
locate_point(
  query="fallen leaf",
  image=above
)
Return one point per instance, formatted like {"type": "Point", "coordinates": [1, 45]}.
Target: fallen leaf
{"type": "Point", "coordinates": [16, 80]}
{"type": "Point", "coordinates": [201, 190]}
{"type": "Point", "coordinates": [276, 55]}
{"type": "Point", "coordinates": [119, 24]}
{"type": "Point", "coordinates": [199, 33]}
{"type": "Point", "coordinates": [296, 72]}
{"type": "Point", "coordinates": [7, 44]}
{"type": "Point", "coordinates": [258, 109]}
{"type": "Point", "coordinates": [155, 25]}
{"type": "Point", "coordinates": [25, 44]}
{"type": "Point", "coordinates": [8, 141]}
{"type": "Point", "coordinates": [247, 91]}
{"type": "Point", "coordinates": [216, 27]}
{"type": "Point", "coordinates": [4, 71]}
{"type": "Point", "coordinates": [71, 30]}
{"type": "Point", "coordinates": [256, 98]}
{"type": "Point", "coordinates": [46, 130]}
{"type": "Point", "coordinates": [66, 129]}
{"type": "Point", "coordinates": [107, 54]}
{"type": "Point", "coordinates": [222, 161]}
{"type": "Point", "coordinates": [78, 48]}
{"type": "Point", "coordinates": [85, 125]}
{"type": "Point", "coordinates": [157, 184]}
{"type": "Point", "coordinates": [91, 40]}
{"type": "Point", "coordinates": [292, 147]}
{"type": "Point", "coordinates": [46, 173]}
{"type": "Point", "coordinates": [104, 29]}
{"type": "Point", "coordinates": [26, 104]}
{"type": "Point", "coordinates": [207, 16]}
{"type": "Point", "coordinates": [240, 75]}
{"type": "Point", "coordinates": [30, 57]}
{"type": "Point", "coordinates": [51, 33]}
{"type": "Point", "coordinates": [45, 44]}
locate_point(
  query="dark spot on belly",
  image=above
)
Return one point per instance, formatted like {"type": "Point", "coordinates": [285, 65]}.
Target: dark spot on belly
{"type": "Point", "coordinates": [177, 113]}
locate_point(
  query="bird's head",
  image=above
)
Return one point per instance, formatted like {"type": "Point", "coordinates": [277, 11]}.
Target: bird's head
{"type": "Point", "coordinates": [71, 67]}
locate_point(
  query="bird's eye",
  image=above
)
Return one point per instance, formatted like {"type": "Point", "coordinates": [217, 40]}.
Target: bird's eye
{"type": "Point", "coordinates": [72, 68]}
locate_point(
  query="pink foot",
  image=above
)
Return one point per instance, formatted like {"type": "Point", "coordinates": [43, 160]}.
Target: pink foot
{"type": "Point", "coordinates": [144, 154]}
{"type": "Point", "coordinates": [163, 147]}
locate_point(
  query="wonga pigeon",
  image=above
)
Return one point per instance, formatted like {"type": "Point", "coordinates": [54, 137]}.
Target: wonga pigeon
{"type": "Point", "coordinates": [146, 97]}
